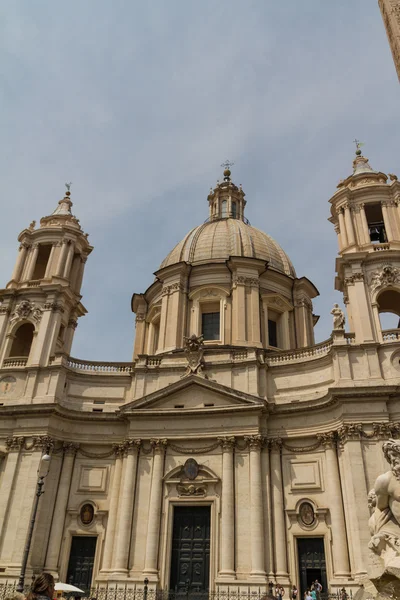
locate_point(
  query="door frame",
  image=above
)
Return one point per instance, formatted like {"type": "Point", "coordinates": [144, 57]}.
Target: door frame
{"type": "Point", "coordinates": [66, 552]}
{"type": "Point", "coordinates": [167, 532]}
{"type": "Point", "coordinates": [297, 557]}
{"type": "Point", "coordinates": [94, 535]}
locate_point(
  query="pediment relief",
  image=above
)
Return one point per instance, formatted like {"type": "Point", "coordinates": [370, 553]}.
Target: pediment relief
{"type": "Point", "coordinates": [196, 394]}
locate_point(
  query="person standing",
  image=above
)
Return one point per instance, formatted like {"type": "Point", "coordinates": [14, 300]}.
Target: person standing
{"type": "Point", "coordinates": [318, 589]}
{"type": "Point", "coordinates": [294, 592]}
{"type": "Point", "coordinates": [42, 588]}
{"type": "Point", "coordinates": [307, 595]}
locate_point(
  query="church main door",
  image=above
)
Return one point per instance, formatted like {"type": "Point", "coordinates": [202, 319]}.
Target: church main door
{"type": "Point", "coordinates": [312, 563]}
{"type": "Point", "coordinates": [190, 560]}
{"type": "Point", "coordinates": [81, 559]}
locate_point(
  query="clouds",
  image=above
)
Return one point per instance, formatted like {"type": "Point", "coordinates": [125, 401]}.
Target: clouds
{"type": "Point", "coordinates": [138, 104]}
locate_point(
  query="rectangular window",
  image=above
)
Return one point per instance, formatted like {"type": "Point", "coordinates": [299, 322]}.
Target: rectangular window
{"type": "Point", "coordinates": [210, 325]}
{"type": "Point", "coordinates": [272, 333]}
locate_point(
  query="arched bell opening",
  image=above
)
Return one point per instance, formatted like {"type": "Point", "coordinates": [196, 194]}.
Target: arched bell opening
{"type": "Point", "coordinates": [389, 311]}
{"type": "Point", "coordinates": [22, 342]}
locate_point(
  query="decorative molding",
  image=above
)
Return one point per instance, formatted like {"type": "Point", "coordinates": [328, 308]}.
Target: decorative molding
{"type": "Point", "coordinates": [53, 306]}
{"type": "Point", "coordinates": [191, 490]}
{"type": "Point", "coordinates": [27, 309]}
{"type": "Point", "coordinates": [70, 448]}
{"type": "Point", "coordinates": [194, 353]}
{"type": "Point", "coordinates": [388, 275]}
{"type": "Point", "coordinates": [170, 289]}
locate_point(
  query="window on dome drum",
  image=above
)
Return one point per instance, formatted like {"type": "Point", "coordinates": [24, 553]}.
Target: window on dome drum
{"type": "Point", "coordinates": [376, 225]}
{"type": "Point", "coordinates": [210, 325]}
{"type": "Point", "coordinates": [156, 335]}
{"type": "Point", "coordinates": [234, 210]}
{"type": "Point", "coordinates": [22, 342]}
{"type": "Point", "coordinates": [272, 333]}
{"type": "Point", "coordinates": [224, 209]}
{"type": "Point", "coordinates": [41, 261]}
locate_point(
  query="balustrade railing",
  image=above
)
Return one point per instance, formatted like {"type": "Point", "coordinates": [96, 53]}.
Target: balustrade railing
{"type": "Point", "coordinates": [98, 367]}
{"type": "Point", "coordinates": [15, 362]}
{"type": "Point", "coordinates": [391, 335]}
{"type": "Point", "coordinates": [302, 354]}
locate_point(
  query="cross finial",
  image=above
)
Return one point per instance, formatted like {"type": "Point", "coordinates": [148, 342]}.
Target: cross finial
{"type": "Point", "coordinates": [227, 164]}
{"type": "Point", "coordinates": [68, 186]}
{"type": "Point", "coordinates": [358, 146]}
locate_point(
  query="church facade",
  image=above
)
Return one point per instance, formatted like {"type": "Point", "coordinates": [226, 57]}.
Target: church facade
{"type": "Point", "coordinates": [232, 450]}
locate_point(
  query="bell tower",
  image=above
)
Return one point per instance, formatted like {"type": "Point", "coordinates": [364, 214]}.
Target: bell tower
{"type": "Point", "coordinates": [366, 215]}
{"type": "Point", "coordinates": [41, 303]}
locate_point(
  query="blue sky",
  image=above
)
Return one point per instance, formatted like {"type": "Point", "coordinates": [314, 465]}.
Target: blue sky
{"type": "Point", "coordinates": [138, 104]}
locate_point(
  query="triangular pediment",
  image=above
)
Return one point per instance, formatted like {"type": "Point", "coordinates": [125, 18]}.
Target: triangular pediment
{"type": "Point", "coordinates": [194, 393]}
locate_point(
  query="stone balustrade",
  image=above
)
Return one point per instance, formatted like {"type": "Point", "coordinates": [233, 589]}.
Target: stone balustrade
{"type": "Point", "coordinates": [381, 247]}
{"type": "Point", "coordinates": [391, 335]}
{"type": "Point", "coordinates": [303, 354]}
{"type": "Point", "coordinates": [15, 362]}
{"type": "Point", "coordinates": [98, 367]}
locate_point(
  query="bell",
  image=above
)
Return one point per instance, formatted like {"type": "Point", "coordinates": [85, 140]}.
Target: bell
{"type": "Point", "coordinates": [374, 234]}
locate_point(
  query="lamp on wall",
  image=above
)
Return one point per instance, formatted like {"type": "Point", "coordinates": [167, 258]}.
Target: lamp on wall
{"type": "Point", "coordinates": [43, 471]}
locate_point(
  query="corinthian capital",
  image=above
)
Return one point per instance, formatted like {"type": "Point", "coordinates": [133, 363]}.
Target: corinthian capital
{"type": "Point", "coordinates": [227, 443]}
{"type": "Point", "coordinates": [159, 445]}
{"type": "Point", "coordinates": [327, 439]}
{"type": "Point", "coordinates": [254, 442]}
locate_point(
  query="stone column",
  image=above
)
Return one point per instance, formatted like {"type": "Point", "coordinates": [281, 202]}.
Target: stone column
{"type": "Point", "coordinates": [255, 311]}
{"type": "Point", "coordinates": [341, 565]}
{"type": "Point", "coordinates": [50, 262]}
{"type": "Point", "coordinates": [19, 265]}
{"type": "Point", "coordinates": [153, 525]}
{"type": "Point", "coordinates": [386, 220]}
{"type": "Point", "coordinates": [339, 236]}
{"type": "Point", "coordinates": [61, 258]}
{"type": "Point", "coordinates": [349, 225]}
{"type": "Point", "coordinates": [280, 545]}
{"type": "Point", "coordinates": [238, 310]}
{"type": "Point", "coordinates": [257, 548]}
{"type": "Point", "coordinates": [125, 508]}
{"type": "Point", "coordinates": [60, 509]}
{"type": "Point", "coordinates": [32, 261]}
{"type": "Point", "coordinates": [355, 493]}
{"type": "Point", "coordinates": [342, 226]}
{"type": "Point", "coordinates": [113, 510]}
{"type": "Point", "coordinates": [14, 446]}
{"type": "Point", "coordinates": [228, 510]}
{"type": "Point", "coordinates": [79, 276]}
{"type": "Point", "coordinates": [364, 223]}
{"type": "Point", "coordinates": [68, 260]}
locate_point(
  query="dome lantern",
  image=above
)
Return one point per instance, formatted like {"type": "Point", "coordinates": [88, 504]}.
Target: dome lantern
{"type": "Point", "coordinates": [226, 200]}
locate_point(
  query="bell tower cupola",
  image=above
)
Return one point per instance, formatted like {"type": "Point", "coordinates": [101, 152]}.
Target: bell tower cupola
{"type": "Point", "coordinates": [42, 301]}
{"type": "Point", "coordinates": [366, 215]}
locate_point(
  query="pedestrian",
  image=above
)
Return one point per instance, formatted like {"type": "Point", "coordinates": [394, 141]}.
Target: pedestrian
{"type": "Point", "coordinates": [42, 588]}
{"type": "Point", "coordinates": [307, 595]}
{"type": "Point", "coordinates": [279, 592]}
{"type": "Point", "coordinates": [313, 592]}
{"type": "Point", "coordinates": [294, 592]}
{"type": "Point", "coordinates": [343, 594]}
{"type": "Point", "coordinates": [318, 589]}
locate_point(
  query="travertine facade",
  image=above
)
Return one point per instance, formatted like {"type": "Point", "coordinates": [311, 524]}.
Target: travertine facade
{"type": "Point", "coordinates": [390, 10]}
{"type": "Point", "coordinates": [234, 460]}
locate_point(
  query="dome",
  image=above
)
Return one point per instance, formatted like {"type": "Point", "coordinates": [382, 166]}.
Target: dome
{"type": "Point", "coordinates": [219, 239]}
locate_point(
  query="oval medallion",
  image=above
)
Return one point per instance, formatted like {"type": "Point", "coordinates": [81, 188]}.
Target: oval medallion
{"type": "Point", "coordinates": [191, 468]}
{"type": "Point", "coordinates": [307, 514]}
{"type": "Point", "coordinates": [87, 514]}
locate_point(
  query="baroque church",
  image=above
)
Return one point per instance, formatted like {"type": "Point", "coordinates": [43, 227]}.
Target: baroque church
{"type": "Point", "coordinates": [232, 451]}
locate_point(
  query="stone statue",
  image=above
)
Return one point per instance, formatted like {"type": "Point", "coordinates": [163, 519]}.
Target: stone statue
{"type": "Point", "coordinates": [338, 317]}
{"type": "Point", "coordinates": [384, 526]}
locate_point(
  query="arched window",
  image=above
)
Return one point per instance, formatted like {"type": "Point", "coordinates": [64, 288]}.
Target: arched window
{"type": "Point", "coordinates": [234, 210]}
{"type": "Point", "coordinates": [22, 342]}
{"type": "Point", "coordinates": [224, 210]}
{"type": "Point", "coordinates": [389, 309]}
